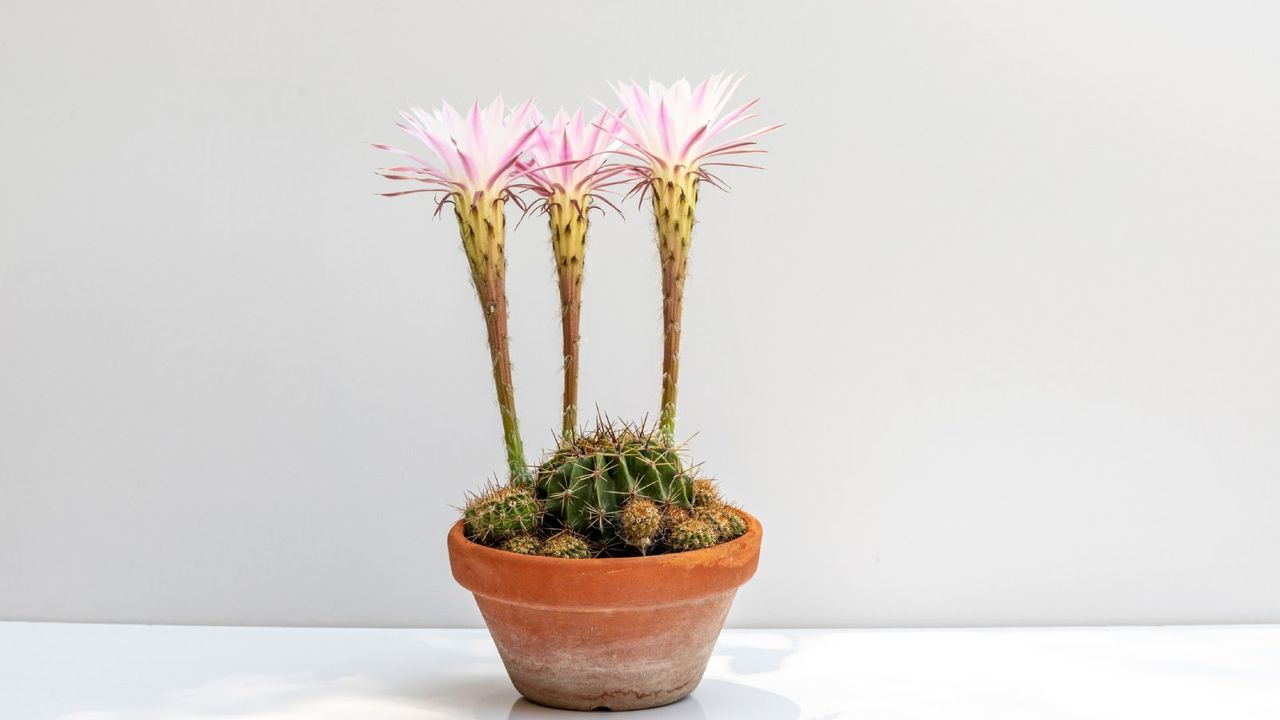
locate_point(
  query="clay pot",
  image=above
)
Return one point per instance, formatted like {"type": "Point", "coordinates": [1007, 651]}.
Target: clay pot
{"type": "Point", "coordinates": [617, 633]}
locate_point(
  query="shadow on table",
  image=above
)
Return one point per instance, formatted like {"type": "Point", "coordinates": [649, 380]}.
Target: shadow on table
{"type": "Point", "coordinates": [726, 699]}
{"type": "Point", "coordinates": [407, 678]}
{"type": "Point", "coordinates": [757, 658]}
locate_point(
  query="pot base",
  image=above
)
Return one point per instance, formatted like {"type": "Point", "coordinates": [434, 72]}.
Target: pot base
{"type": "Point", "coordinates": [617, 633]}
{"type": "Point", "coordinates": [620, 660]}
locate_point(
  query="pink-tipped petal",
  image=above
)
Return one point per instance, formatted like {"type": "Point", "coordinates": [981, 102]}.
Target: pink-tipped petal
{"type": "Point", "coordinates": [470, 154]}
{"type": "Point", "coordinates": [661, 129]}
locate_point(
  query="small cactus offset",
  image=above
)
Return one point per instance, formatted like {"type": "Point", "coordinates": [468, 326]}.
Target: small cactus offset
{"type": "Point", "coordinates": [523, 543]}
{"type": "Point", "coordinates": [727, 522]}
{"type": "Point", "coordinates": [710, 506]}
{"type": "Point", "coordinates": [566, 545]}
{"type": "Point", "coordinates": [588, 481]}
{"type": "Point", "coordinates": [673, 515]}
{"type": "Point", "coordinates": [639, 523]}
{"type": "Point", "coordinates": [706, 493]}
{"type": "Point", "coordinates": [692, 534]}
{"type": "Point", "coordinates": [501, 512]}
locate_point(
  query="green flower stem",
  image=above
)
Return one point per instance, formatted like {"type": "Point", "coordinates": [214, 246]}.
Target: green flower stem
{"type": "Point", "coordinates": [568, 223]}
{"type": "Point", "coordinates": [675, 196]}
{"type": "Point", "coordinates": [483, 228]}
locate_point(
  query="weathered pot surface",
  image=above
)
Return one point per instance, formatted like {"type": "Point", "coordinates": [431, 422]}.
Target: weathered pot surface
{"type": "Point", "coordinates": [617, 633]}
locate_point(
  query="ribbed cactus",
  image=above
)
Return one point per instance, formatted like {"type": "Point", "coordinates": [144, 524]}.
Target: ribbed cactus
{"type": "Point", "coordinates": [501, 512]}
{"type": "Point", "coordinates": [620, 490]}
{"type": "Point", "coordinates": [588, 481]}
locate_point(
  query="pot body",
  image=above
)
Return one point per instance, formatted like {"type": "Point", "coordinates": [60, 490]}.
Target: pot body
{"type": "Point", "coordinates": [617, 633]}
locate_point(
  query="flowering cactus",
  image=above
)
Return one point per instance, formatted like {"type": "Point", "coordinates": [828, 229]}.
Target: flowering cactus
{"type": "Point", "coordinates": [567, 168]}
{"type": "Point", "coordinates": [672, 136]}
{"type": "Point", "coordinates": [474, 170]}
{"type": "Point", "coordinates": [620, 490]}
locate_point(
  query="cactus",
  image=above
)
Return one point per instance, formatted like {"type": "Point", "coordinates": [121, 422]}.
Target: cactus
{"type": "Point", "coordinates": [727, 522]}
{"type": "Point", "coordinates": [639, 523]}
{"type": "Point", "coordinates": [710, 506]}
{"type": "Point", "coordinates": [673, 515]}
{"type": "Point", "coordinates": [705, 492]}
{"type": "Point", "coordinates": [587, 482]}
{"type": "Point", "coordinates": [617, 491]}
{"type": "Point", "coordinates": [692, 534]}
{"type": "Point", "coordinates": [523, 543]}
{"type": "Point", "coordinates": [566, 545]}
{"type": "Point", "coordinates": [501, 512]}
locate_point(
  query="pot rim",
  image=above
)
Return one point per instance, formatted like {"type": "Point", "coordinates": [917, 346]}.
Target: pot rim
{"type": "Point", "coordinates": [604, 583]}
{"type": "Point", "coordinates": [754, 530]}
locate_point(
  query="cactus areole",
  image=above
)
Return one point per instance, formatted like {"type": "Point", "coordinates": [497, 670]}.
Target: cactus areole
{"type": "Point", "coordinates": [604, 572]}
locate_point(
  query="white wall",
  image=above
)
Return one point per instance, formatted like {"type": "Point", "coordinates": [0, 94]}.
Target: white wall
{"type": "Point", "coordinates": [995, 339]}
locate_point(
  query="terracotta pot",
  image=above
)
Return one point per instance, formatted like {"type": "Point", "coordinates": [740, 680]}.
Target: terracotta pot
{"type": "Point", "coordinates": [617, 633]}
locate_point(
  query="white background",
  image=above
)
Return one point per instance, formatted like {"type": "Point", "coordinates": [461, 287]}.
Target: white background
{"type": "Point", "coordinates": [994, 340]}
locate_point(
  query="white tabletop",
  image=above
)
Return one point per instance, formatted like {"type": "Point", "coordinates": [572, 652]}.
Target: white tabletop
{"type": "Point", "coordinates": [130, 672]}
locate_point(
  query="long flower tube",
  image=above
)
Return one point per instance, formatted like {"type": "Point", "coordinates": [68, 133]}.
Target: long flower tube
{"type": "Point", "coordinates": [473, 170]}
{"type": "Point", "coordinates": [672, 137]}
{"type": "Point", "coordinates": [568, 169]}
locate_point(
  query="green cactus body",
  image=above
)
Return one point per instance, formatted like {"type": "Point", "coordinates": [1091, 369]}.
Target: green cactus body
{"type": "Point", "coordinates": [500, 513]}
{"type": "Point", "coordinates": [586, 492]}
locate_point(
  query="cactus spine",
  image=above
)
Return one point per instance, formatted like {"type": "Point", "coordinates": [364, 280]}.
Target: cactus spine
{"type": "Point", "coordinates": [482, 224]}
{"type": "Point", "coordinates": [567, 218]}
{"type": "Point", "coordinates": [675, 197]}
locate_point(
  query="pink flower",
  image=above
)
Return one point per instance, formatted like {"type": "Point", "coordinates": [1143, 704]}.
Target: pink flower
{"type": "Point", "coordinates": [682, 128]}
{"type": "Point", "coordinates": [471, 155]}
{"type": "Point", "coordinates": [568, 158]}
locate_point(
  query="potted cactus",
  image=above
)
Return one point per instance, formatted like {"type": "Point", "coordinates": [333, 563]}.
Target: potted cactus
{"type": "Point", "coordinates": [604, 572]}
